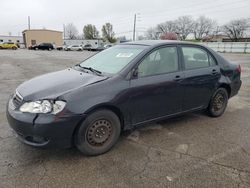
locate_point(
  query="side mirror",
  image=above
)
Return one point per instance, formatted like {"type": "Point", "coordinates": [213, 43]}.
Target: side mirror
{"type": "Point", "coordinates": [135, 73]}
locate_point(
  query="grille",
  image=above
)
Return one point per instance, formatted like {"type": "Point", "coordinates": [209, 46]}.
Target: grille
{"type": "Point", "coordinates": [17, 99]}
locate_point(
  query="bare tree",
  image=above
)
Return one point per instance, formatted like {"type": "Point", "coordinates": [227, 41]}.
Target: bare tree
{"type": "Point", "coordinates": [203, 27]}
{"type": "Point", "coordinates": [90, 32]}
{"type": "Point", "coordinates": [236, 29]}
{"type": "Point", "coordinates": [184, 26]}
{"type": "Point", "coordinates": [71, 31]}
{"type": "Point", "coordinates": [108, 33]}
{"type": "Point", "coordinates": [167, 27]}
{"type": "Point", "coordinates": [152, 34]}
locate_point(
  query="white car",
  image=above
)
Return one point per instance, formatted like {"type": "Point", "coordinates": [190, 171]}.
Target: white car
{"type": "Point", "coordinates": [74, 48]}
{"type": "Point", "coordinates": [108, 46]}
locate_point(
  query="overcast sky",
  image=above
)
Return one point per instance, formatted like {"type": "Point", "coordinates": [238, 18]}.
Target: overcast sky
{"type": "Point", "coordinates": [52, 14]}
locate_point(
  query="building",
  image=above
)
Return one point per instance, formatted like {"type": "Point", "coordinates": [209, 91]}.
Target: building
{"type": "Point", "coordinates": [246, 39]}
{"type": "Point", "coordinates": [37, 36]}
{"type": "Point", "coordinates": [95, 43]}
{"type": "Point", "coordinates": [215, 38]}
{"type": "Point", "coordinates": [15, 39]}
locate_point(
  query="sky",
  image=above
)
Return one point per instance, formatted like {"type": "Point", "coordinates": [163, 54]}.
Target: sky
{"type": "Point", "coordinates": [52, 14]}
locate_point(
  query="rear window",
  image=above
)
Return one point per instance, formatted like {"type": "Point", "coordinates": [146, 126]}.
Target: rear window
{"type": "Point", "coordinates": [195, 58]}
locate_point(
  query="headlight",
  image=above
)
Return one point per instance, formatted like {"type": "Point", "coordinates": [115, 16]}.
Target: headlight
{"type": "Point", "coordinates": [44, 106]}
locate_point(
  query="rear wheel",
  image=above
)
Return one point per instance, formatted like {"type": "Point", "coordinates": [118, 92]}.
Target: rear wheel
{"type": "Point", "coordinates": [218, 103]}
{"type": "Point", "coordinates": [14, 48]}
{"type": "Point", "coordinates": [98, 133]}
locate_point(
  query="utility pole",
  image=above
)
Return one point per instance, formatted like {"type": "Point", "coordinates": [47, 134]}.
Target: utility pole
{"type": "Point", "coordinates": [29, 22]}
{"type": "Point", "coordinates": [134, 28]}
{"type": "Point", "coordinates": [64, 31]}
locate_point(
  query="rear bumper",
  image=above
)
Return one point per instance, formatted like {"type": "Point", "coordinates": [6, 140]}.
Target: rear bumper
{"type": "Point", "coordinates": [235, 87]}
{"type": "Point", "coordinates": [43, 130]}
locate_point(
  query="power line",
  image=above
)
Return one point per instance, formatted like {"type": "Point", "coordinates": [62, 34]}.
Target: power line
{"type": "Point", "coordinates": [206, 12]}
{"type": "Point", "coordinates": [173, 10]}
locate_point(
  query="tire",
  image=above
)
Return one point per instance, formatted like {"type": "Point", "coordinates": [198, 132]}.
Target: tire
{"type": "Point", "coordinates": [36, 48]}
{"type": "Point", "coordinates": [98, 133]}
{"type": "Point", "coordinates": [14, 48]}
{"type": "Point", "coordinates": [49, 49]}
{"type": "Point", "coordinates": [218, 103]}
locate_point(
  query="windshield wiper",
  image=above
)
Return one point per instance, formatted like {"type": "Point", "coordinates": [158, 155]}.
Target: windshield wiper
{"type": "Point", "coordinates": [91, 69]}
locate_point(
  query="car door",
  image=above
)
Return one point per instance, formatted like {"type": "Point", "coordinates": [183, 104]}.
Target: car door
{"type": "Point", "coordinates": [201, 74]}
{"type": "Point", "coordinates": [5, 45]}
{"type": "Point", "coordinates": [41, 46]}
{"type": "Point", "coordinates": [156, 90]}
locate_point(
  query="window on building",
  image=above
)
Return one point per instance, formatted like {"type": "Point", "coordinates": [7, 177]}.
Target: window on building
{"type": "Point", "coordinates": [33, 42]}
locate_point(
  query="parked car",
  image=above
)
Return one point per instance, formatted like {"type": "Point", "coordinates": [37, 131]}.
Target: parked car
{"type": "Point", "coordinates": [87, 47]}
{"type": "Point", "coordinates": [120, 88]}
{"type": "Point", "coordinates": [106, 46]}
{"type": "Point", "coordinates": [74, 48]}
{"type": "Point", "coordinates": [99, 48]}
{"type": "Point", "coordinates": [42, 46]}
{"type": "Point", "coordinates": [8, 45]}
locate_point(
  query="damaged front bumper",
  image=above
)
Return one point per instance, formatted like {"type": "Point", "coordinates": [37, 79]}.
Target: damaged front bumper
{"type": "Point", "coordinates": [43, 130]}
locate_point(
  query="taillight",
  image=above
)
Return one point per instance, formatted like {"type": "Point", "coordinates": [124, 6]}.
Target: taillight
{"type": "Point", "coordinates": [238, 68]}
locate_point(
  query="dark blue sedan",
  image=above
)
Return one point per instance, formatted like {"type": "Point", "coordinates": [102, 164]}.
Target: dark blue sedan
{"type": "Point", "coordinates": [125, 86]}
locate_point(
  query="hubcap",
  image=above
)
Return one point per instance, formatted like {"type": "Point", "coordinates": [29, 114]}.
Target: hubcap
{"type": "Point", "coordinates": [218, 102]}
{"type": "Point", "coordinates": [99, 132]}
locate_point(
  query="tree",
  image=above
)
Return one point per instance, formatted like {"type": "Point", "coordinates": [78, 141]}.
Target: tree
{"type": "Point", "coordinates": [184, 26]}
{"type": "Point", "coordinates": [236, 29]}
{"type": "Point", "coordinates": [152, 34]}
{"type": "Point", "coordinates": [71, 31]}
{"type": "Point", "coordinates": [167, 27]}
{"type": "Point", "coordinates": [107, 33]}
{"type": "Point", "coordinates": [203, 27]}
{"type": "Point", "coordinates": [90, 32]}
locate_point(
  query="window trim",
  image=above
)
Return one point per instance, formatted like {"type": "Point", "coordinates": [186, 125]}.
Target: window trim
{"type": "Point", "coordinates": [152, 51]}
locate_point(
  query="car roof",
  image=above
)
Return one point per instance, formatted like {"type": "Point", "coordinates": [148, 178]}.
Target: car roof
{"type": "Point", "coordinates": [155, 42]}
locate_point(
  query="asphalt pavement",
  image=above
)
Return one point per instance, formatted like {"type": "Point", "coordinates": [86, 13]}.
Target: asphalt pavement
{"type": "Point", "coordinates": [193, 150]}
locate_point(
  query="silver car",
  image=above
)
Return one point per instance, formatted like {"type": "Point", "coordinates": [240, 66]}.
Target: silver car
{"type": "Point", "coordinates": [74, 48]}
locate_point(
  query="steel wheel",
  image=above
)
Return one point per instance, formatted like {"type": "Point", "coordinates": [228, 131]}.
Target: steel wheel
{"type": "Point", "coordinates": [99, 132]}
{"type": "Point", "coordinates": [218, 103]}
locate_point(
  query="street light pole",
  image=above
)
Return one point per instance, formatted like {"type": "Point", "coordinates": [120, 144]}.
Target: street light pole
{"type": "Point", "coordinates": [134, 28]}
{"type": "Point", "coordinates": [29, 22]}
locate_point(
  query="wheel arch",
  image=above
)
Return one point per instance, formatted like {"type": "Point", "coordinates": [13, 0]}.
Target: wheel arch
{"type": "Point", "coordinates": [227, 87]}
{"type": "Point", "coordinates": [110, 107]}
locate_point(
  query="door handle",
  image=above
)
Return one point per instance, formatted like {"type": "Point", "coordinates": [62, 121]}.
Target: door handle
{"type": "Point", "coordinates": [214, 72]}
{"type": "Point", "coordinates": [177, 78]}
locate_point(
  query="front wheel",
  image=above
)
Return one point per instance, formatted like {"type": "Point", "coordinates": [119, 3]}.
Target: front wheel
{"type": "Point", "coordinates": [98, 133]}
{"type": "Point", "coordinates": [218, 103]}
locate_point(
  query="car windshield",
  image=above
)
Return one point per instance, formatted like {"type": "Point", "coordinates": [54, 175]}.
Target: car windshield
{"type": "Point", "coordinates": [114, 59]}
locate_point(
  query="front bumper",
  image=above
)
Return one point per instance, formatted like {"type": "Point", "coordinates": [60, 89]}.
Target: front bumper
{"type": "Point", "coordinates": [43, 130]}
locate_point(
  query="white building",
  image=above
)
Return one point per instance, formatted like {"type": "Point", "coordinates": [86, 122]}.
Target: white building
{"type": "Point", "coordinates": [15, 39]}
{"type": "Point", "coordinates": [95, 43]}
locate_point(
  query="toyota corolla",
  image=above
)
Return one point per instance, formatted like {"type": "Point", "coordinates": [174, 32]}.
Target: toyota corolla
{"type": "Point", "coordinates": [89, 104]}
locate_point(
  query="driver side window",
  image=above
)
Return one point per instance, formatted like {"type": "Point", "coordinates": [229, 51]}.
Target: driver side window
{"type": "Point", "coordinates": [160, 61]}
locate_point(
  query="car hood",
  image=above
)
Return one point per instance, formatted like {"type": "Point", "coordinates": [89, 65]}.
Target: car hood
{"type": "Point", "coordinates": [52, 85]}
